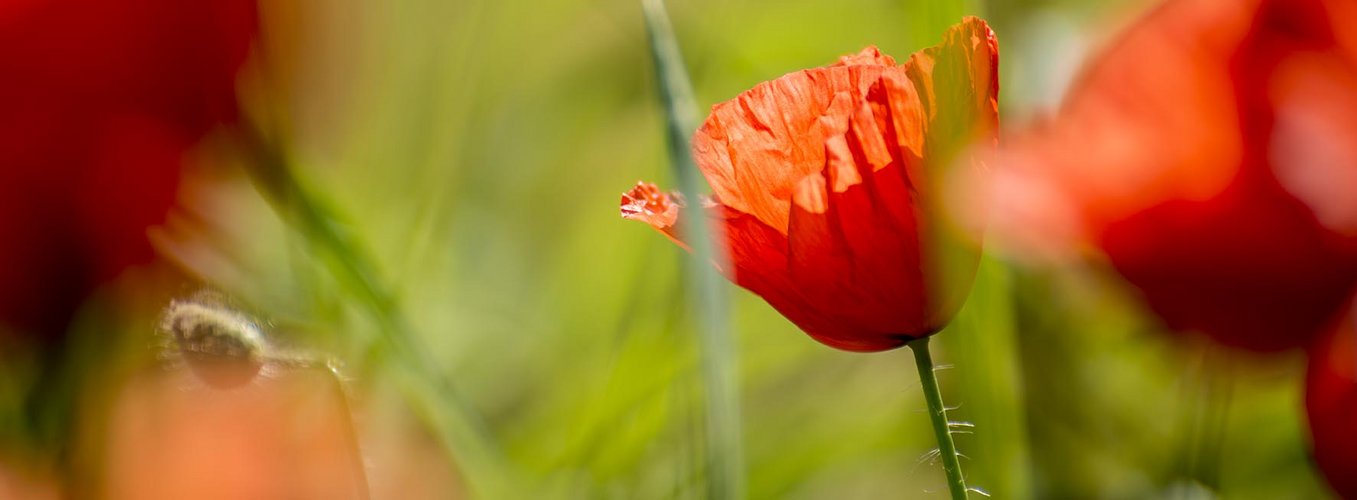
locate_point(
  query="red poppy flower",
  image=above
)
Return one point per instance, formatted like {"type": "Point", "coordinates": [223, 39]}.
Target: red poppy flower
{"type": "Point", "coordinates": [1331, 405]}
{"type": "Point", "coordinates": [1207, 153]}
{"type": "Point", "coordinates": [824, 182]}
{"type": "Point", "coordinates": [100, 101]}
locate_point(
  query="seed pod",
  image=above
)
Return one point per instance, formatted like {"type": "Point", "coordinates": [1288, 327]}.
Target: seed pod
{"type": "Point", "coordinates": [223, 347]}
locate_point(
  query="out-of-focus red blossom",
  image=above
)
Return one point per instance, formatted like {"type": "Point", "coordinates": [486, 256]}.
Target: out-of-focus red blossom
{"type": "Point", "coordinates": [1331, 405]}
{"type": "Point", "coordinates": [1209, 154]}
{"type": "Point", "coordinates": [99, 102]}
{"type": "Point", "coordinates": [823, 186]}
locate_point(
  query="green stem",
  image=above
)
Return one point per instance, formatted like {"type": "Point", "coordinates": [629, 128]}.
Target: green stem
{"type": "Point", "coordinates": [724, 451]}
{"type": "Point", "coordinates": [937, 414]}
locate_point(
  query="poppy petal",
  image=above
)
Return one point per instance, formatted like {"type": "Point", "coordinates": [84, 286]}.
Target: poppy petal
{"type": "Point", "coordinates": [755, 148]}
{"type": "Point", "coordinates": [758, 262]}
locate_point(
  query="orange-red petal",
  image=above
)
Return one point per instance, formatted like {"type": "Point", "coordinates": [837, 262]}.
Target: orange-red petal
{"type": "Point", "coordinates": [755, 148]}
{"type": "Point", "coordinates": [646, 203]}
{"type": "Point", "coordinates": [758, 261]}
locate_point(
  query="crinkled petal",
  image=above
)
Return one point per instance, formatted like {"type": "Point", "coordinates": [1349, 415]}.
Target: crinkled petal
{"type": "Point", "coordinates": [755, 148]}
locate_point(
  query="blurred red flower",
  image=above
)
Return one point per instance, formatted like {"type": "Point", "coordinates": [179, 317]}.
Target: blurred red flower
{"type": "Point", "coordinates": [1331, 405]}
{"type": "Point", "coordinates": [100, 101]}
{"type": "Point", "coordinates": [823, 185]}
{"type": "Point", "coordinates": [1208, 153]}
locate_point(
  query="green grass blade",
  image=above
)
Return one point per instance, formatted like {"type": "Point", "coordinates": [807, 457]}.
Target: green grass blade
{"type": "Point", "coordinates": [460, 428]}
{"type": "Point", "coordinates": [724, 449]}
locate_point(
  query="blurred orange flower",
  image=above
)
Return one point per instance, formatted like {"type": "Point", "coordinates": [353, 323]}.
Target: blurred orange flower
{"type": "Point", "coordinates": [100, 102]}
{"type": "Point", "coordinates": [287, 435]}
{"type": "Point", "coordinates": [824, 180]}
{"type": "Point", "coordinates": [1207, 153]}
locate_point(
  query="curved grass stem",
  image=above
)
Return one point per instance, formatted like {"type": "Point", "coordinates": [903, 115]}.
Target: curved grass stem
{"type": "Point", "coordinates": [459, 427]}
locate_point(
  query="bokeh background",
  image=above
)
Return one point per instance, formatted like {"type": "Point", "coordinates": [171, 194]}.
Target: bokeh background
{"type": "Point", "coordinates": [473, 152]}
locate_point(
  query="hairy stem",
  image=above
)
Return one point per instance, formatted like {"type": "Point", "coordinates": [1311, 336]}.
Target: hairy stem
{"type": "Point", "coordinates": [937, 415]}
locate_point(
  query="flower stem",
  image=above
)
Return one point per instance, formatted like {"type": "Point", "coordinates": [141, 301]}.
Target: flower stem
{"type": "Point", "coordinates": [937, 414]}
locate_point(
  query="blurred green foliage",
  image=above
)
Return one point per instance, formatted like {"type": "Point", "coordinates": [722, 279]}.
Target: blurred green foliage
{"type": "Point", "coordinates": [477, 148]}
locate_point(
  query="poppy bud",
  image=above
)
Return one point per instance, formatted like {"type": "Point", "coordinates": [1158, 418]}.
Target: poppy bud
{"type": "Point", "coordinates": [224, 347]}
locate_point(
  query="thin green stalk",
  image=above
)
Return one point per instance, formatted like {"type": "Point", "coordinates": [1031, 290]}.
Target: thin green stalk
{"type": "Point", "coordinates": [937, 414]}
{"type": "Point", "coordinates": [724, 451]}
{"type": "Point", "coordinates": [362, 487]}
{"type": "Point", "coordinates": [1206, 397]}
{"type": "Point", "coordinates": [458, 426]}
